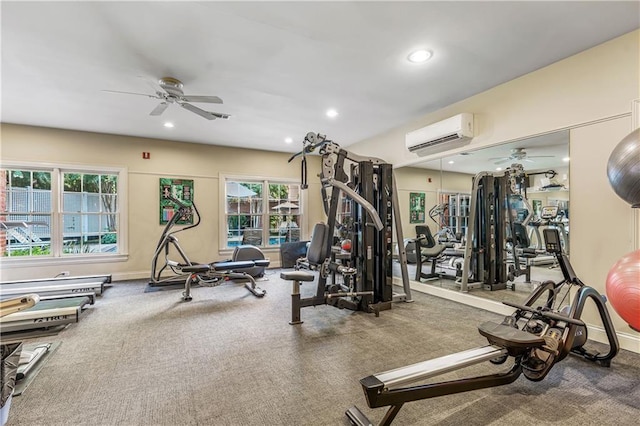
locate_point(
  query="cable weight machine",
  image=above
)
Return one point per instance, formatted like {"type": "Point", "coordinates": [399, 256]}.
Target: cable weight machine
{"type": "Point", "coordinates": [490, 255]}
{"type": "Point", "coordinates": [368, 186]}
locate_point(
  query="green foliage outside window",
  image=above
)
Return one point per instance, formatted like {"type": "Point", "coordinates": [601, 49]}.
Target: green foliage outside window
{"type": "Point", "coordinates": [92, 197]}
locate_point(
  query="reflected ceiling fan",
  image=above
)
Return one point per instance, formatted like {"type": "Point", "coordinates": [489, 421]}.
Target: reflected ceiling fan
{"type": "Point", "coordinates": [518, 154]}
{"type": "Point", "coordinates": [170, 91]}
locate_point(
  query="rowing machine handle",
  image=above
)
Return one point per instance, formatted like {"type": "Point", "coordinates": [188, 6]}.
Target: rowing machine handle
{"type": "Point", "coordinates": [550, 315]}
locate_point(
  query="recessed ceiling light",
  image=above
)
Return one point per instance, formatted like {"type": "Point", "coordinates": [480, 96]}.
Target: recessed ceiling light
{"type": "Point", "coordinates": [498, 168]}
{"type": "Point", "coordinates": [451, 162]}
{"type": "Point", "coordinates": [419, 56]}
{"type": "Point", "coordinates": [565, 159]}
{"type": "Point", "coordinates": [332, 113]}
{"type": "Point", "coordinates": [288, 140]}
{"type": "Point", "coordinates": [168, 124]}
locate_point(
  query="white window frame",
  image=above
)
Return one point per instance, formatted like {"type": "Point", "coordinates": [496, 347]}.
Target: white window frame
{"type": "Point", "coordinates": [458, 218]}
{"type": "Point", "coordinates": [57, 257]}
{"type": "Point", "coordinates": [222, 230]}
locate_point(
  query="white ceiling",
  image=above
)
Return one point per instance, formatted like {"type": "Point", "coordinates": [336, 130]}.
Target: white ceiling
{"type": "Point", "coordinates": [278, 66]}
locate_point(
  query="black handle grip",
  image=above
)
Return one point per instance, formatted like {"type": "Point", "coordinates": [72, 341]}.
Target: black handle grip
{"type": "Point", "coordinates": [547, 314]}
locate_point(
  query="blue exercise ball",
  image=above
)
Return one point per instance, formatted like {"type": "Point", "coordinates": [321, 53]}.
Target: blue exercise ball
{"type": "Point", "coordinates": [623, 169]}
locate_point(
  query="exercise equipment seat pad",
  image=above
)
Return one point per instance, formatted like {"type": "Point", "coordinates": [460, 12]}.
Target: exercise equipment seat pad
{"type": "Point", "coordinates": [509, 337]}
{"type": "Point", "coordinates": [297, 276]}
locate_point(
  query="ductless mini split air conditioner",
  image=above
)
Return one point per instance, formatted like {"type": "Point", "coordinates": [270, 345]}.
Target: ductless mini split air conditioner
{"type": "Point", "coordinates": [440, 136]}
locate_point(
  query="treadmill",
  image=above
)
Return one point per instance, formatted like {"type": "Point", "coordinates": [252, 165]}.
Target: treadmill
{"type": "Point", "coordinates": [56, 286]}
{"type": "Point", "coordinates": [44, 315]}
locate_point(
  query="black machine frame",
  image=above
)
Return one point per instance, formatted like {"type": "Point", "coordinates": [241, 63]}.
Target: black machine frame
{"type": "Point", "coordinates": [369, 185]}
{"type": "Point", "coordinates": [491, 257]}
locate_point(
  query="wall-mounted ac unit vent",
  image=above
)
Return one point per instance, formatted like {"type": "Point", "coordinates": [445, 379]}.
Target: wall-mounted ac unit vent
{"type": "Point", "coordinates": [440, 136]}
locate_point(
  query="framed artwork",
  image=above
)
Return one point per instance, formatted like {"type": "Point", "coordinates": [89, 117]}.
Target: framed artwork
{"type": "Point", "coordinates": [417, 207]}
{"type": "Point", "coordinates": [180, 189]}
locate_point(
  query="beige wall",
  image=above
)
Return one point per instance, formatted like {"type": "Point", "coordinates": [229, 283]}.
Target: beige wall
{"type": "Point", "coordinates": [202, 163]}
{"type": "Point", "coordinates": [413, 179]}
{"type": "Point", "coordinates": [579, 92]}
{"type": "Point", "coordinates": [601, 223]}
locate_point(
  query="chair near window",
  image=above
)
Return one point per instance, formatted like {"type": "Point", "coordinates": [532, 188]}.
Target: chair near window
{"type": "Point", "coordinates": [252, 237]}
{"type": "Point", "coordinates": [293, 235]}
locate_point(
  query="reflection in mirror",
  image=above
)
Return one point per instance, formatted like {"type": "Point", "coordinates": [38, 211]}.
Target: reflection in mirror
{"type": "Point", "coordinates": [545, 160]}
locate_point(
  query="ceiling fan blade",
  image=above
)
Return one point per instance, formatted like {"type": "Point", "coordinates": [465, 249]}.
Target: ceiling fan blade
{"type": "Point", "coordinates": [160, 108]}
{"type": "Point", "coordinates": [202, 113]}
{"type": "Point", "coordinates": [541, 156]}
{"type": "Point", "coordinates": [131, 93]}
{"type": "Point", "coordinates": [220, 115]}
{"type": "Point", "coordinates": [504, 160]}
{"type": "Point", "coordinates": [207, 99]}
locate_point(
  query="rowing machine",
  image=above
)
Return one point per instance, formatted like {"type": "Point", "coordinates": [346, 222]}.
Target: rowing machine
{"type": "Point", "coordinates": [536, 337]}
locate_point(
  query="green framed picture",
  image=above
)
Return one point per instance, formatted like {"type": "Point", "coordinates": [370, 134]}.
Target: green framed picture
{"type": "Point", "coordinates": [417, 207]}
{"type": "Point", "coordinates": [180, 189]}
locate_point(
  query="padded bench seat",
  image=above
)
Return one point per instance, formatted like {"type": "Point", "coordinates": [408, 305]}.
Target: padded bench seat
{"type": "Point", "coordinates": [229, 266]}
{"type": "Point", "coordinates": [225, 266]}
{"type": "Point", "coordinates": [297, 276]}
{"type": "Point", "coordinates": [513, 339]}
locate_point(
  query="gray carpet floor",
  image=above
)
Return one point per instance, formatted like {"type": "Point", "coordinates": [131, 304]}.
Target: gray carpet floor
{"type": "Point", "coordinates": [229, 358]}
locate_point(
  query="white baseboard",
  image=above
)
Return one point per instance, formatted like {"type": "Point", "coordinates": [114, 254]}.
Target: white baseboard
{"type": "Point", "coordinates": [626, 340]}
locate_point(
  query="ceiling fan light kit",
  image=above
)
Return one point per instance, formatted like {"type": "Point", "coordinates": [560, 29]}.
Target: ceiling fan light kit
{"type": "Point", "coordinates": [171, 92]}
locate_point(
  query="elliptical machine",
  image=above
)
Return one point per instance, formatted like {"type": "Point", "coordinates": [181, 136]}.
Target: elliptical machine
{"type": "Point", "coordinates": [168, 240]}
{"type": "Point", "coordinates": [188, 272]}
{"type": "Point", "coordinates": [536, 337]}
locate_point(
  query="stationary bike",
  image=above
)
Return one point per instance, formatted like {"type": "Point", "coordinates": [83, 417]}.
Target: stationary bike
{"type": "Point", "coordinates": [540, 333]}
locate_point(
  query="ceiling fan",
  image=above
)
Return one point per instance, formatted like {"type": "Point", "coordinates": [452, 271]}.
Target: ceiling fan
{"type": "Point", "coordinates": [171, 92]}
{"type": "Point", "coordinates": [518, 154]}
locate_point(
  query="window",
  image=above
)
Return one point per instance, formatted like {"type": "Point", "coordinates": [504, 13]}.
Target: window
{"type": "Point", "coordinates": [454, 213]}
{"type": "Point", "coordinates": [60, 212]}
{"type": "Point", "coordinates": [89, 213]}
{"type": "Point", "coordinates": [25, 213]}
{"type": "Point", "coordinates": [264, 213]}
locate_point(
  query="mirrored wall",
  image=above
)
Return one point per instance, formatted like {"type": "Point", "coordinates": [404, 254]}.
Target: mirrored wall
{"type": "Point", "coordinates": [445, 185]}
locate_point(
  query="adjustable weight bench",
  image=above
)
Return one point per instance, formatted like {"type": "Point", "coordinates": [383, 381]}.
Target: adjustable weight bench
{"type": "Point", "coordinates": [211, 273]}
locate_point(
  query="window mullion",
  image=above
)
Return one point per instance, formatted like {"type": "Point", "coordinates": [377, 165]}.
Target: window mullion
{"type": "Point", "coordinates": [56, 209]}
{"type": "Point", "coordinates": [265, 213]}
